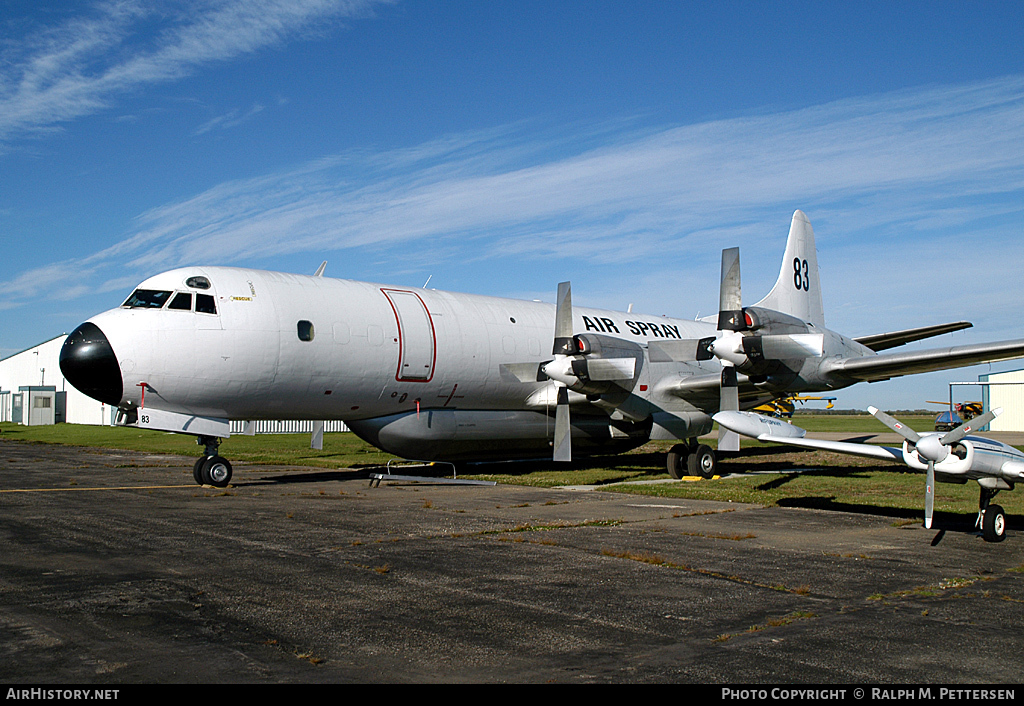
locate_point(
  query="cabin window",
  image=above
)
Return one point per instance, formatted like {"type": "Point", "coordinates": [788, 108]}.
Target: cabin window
{"type": "Point", "coordinates": [147, 299]}
{"type": "Point", "coordinates": [205, 304]}
{"type": "Point", "coordinates": [182, 302]}
{"type": "Point", "coordinates": [197, 282]}
{"type": "Point", "coordinates": [305, 330]}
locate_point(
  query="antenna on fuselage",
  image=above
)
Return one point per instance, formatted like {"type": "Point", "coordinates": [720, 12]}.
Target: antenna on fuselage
{"type": "Point", "coordinates": [427, 282]}
{"type": "Point", "coordinates": [320, 270]}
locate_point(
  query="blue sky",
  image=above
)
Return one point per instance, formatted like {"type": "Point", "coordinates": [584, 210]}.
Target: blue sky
{"type": "Point", "coordinates": [499, 148]}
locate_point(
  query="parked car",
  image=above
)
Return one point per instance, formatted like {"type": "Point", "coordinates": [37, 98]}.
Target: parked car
{"type": "Point", "coordinates": [946, 421]}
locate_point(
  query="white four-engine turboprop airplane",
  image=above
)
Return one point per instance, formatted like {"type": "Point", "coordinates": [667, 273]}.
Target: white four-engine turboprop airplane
{"type": "Point", "coordinates": [431, 375]}
{"type": "Point", "coordinates": [950, 457]}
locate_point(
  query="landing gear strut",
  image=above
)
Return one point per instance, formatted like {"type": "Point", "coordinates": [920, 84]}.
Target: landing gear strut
{"type": "Point", "coordinates": [211, 468]}
{"type": "Point", "coordinates": [691, 459]}
{"type": "Point", "coordinates": [991, 518]}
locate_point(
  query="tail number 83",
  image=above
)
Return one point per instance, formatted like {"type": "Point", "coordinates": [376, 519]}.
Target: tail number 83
{"type": "Point", "coordinates": [800, 277]}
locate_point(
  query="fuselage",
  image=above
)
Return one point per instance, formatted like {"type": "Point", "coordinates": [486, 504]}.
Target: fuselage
{"type": "Point", "coordinates": [301, 347]}
{"type": "Point", "coordinates": [250, 344]}
{"type": "Point", "coordinates": [423, 373]}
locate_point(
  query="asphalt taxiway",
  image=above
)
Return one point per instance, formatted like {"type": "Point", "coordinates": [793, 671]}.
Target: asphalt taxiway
{"type": "Point", "coordinates": [116, 568]}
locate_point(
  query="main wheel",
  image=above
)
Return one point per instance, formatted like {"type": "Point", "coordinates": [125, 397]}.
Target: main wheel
{"type": "Point", "coordinates": [702, 463]}
{"type": "Point", "coordinates": [216, 471]}
{"type": "Point", "coordinates": [993, 524]}
{"type": "Point", "coordinates": [676, 461]}
{"type": "Point", "coordinates": [197, 469]}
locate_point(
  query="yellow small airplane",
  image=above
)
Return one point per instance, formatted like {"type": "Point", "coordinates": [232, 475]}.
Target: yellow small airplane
{"type": "Point", "coordinates": [787, 405]}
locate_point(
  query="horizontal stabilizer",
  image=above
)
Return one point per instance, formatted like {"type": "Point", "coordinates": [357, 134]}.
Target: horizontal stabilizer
{"type": "Point", "coordinates": [871, 368]}
{"type": "Point", "coordinates": [885, 341]}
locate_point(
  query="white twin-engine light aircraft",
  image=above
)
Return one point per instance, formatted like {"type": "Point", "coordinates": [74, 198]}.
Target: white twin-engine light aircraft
{"type": "Point", "coordinates": [431, 375]}
{"type": "Point", "coordinates": [950, 457]}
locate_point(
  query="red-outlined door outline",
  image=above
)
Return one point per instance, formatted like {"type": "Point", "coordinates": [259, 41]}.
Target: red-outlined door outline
{"type": "Point", "coordinates": [417, 348]}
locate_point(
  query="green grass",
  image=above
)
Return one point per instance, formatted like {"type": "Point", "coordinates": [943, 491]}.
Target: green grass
{"type": "Point", "coordinates": [340, 450]}
{"type": "Point", "coordinates": [770, 475]}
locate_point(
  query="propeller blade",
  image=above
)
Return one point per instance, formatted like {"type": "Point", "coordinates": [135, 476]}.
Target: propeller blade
{"type": "Point", "coordinates": [730, 301]}
{"type": "Point", "coordinates": [728, 440]}
{"type": "Point", "coordinates": [967, 427]}
{"type": "Point", "coordinates": [929, 495]}
{"type": "Point", "coordinates": [563, 439]}
{"type": "Point", "coordinates": [563, 321]}
{"type": "Point", "coordinates": [896, 425]}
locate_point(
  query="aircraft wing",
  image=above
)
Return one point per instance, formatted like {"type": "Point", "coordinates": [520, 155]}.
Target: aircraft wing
{"type": "Point", "coordinates": [885, 341]}
{"type": "Point", "coordinates": [844, 447]}
{"type": "Point", "coordinates": [872, 368]}
{"type": "Point", "coordinates": [776, 431]}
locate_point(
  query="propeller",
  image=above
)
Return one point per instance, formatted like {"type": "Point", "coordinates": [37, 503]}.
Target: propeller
{"type": "Point", "coordinates": [588, 364]}
{"type": "Point", "coordinates": [732, 320]}
{"type": "Point", "coordinates": [932, 447]}
{"type": "Point", "coordinates": [560, 371]}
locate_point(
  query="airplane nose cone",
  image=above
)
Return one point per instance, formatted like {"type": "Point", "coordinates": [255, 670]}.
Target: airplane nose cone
{"type": "Point", "coordinates": [88, 362]}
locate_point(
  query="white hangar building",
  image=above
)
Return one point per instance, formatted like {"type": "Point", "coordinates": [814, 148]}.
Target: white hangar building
{"type": "Point", "coordinates": [33, 391]}
{"type": "Point", "coordinates": [1004, 390]}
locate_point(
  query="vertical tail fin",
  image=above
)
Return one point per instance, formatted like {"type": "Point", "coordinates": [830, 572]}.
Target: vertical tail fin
{"type": "Point", "coordinates": [798, 291]}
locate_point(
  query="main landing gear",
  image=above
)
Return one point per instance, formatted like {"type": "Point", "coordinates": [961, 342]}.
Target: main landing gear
{"type": "Point", "coordinates": [211, 468]}
{"type": "Point", "coordinates": [991, 518]}
{"type": "Point", "coordinates": [691, 459]}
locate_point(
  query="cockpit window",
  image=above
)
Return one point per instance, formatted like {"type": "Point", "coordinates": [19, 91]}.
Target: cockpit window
{"type": "Point", "coordinates": [182, 301]}
{"type": "Point", "coordinates": [205, 304]}
{"type": "Point", "coordinates": [147, 299]}
{"type": "Point", "coordinates": [198, 282]}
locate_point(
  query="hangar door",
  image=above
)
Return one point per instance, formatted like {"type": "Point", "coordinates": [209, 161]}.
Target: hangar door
{"type": "Point", "coordinates": [415, 336]}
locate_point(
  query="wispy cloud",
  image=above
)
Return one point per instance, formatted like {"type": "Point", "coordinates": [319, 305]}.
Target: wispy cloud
{"type": "Point", "coordinates": [231, 119]}
{"type": "Point", "coordinates": [77, 68]}
{"type": "Point", "coordinates": [898, 172]}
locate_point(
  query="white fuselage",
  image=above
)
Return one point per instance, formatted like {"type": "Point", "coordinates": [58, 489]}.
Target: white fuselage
{"type": "Point", "coordinates": [371, 350]}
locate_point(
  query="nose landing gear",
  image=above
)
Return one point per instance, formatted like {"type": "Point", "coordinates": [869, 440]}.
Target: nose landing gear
{"type": "Point", "coordinates": [211, 468]}
{"type": "Point", "coordinates": [991, 518]}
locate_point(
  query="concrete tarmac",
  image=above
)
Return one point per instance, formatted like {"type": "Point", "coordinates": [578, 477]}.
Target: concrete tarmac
{"type": "Point", "coordinates": [116, 568]}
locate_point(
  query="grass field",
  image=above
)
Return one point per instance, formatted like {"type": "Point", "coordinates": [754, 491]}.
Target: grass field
{"type": "Point", "coordinates": [766, 475]}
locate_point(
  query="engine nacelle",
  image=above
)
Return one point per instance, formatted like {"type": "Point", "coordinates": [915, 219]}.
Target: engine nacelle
{"type": "Point", "coordinates": [957, 462]}
{"type": "Point", "coordinates": [604, 364]}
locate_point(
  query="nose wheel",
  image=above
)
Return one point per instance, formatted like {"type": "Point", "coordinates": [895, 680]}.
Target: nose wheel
{"type": "Point", "coordinates": [991, 517]}
{"type": "Point", "coordinates": [211, 468]}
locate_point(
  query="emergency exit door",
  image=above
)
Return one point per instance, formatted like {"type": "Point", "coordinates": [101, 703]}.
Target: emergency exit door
{"type": "Point", "coordinates": [416, 345]}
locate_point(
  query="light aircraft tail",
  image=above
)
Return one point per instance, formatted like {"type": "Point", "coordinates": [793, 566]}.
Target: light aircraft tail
{"type": "Point", "coordinates": [798, 290]}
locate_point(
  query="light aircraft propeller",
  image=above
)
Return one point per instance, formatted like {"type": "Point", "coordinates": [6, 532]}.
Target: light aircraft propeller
{"type": "Point", "coordinates": [932, 448]}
